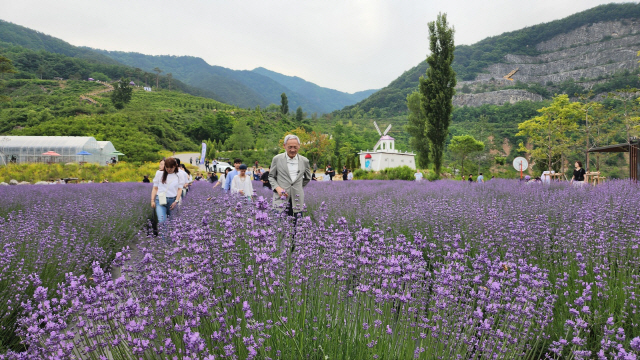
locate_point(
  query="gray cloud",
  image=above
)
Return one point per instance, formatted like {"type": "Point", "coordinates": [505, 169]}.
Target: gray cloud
{"type": "Point", "coordinates": [349, 45]}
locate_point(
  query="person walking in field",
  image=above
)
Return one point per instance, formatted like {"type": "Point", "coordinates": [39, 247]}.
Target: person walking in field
{"type": "Point", "coordinates": [232, 174]}
{"type": "Point", "coordinates": [345, 173]}
{"type": "Point", "coordinates": [167, 190]}
{"type": "Point", "coordinates": [191, 160]}
{"type": "Point", "coordinates": [221, 180]}
{"type": "Point", "coordinates": [289, 173]}
{"type": "Point", "coordinates": [184, 178]}
{"type": "Point", "coordinates": [265, 179]}
{"type": "Point", "coordinates": [350, 176]}
{"type": "Point", "coordinates": [418, 176]}
{"type": "Point", "coordinates": [480, 179]}
{"type": "Point", "coordinates": [215, 165]}
{"type": "Point", "coordinates": [470, 178]}
{"type": "Point", "coordinates": [242, 183]}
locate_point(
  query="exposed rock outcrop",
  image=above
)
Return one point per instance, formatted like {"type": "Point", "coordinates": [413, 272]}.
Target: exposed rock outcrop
{"type": "Point", "coordinates": [588, 52]}
{"type": "Point", "coordinates": [495, 97]}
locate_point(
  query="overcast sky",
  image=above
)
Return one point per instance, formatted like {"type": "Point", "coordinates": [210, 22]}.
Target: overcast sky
{"type": "Point", "coordinates": [348, 45]}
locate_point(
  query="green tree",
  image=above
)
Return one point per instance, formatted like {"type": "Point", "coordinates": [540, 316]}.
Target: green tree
{"type": "Point", "coordinates": [241, 138]}
{"type": "Point", "coordinates": [42, 69]}
{"type": "Point", "coordinates": [284, 104]}
{"type": "Point", "coordinates": [121, 94]}
{"type": "Point", "coordinates": [6, 67]}
{"type": "Point", "coordinates": [417, 129]}
{"type": "Point", "coordinates": [463, 146]}
{"type": "Point", "coordinates": [169, 78]}
{"type": "Point", "coordinates": [550, 132]}
{"type": "Point", "coordinates": [222, 127]}
{"type": "Point", "coordinates": [211, 149]}
{"type": "Point", "coordinates": [438, 87]}
{"type": "Point", "coordinates": [299, 114]}
{"type": "Point", "coordinates": [157, 71]}
{"type": "Point", "coordinates": [630, 117]}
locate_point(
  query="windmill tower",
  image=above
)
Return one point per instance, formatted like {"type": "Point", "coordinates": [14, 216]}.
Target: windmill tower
{"type": "Point", "coordinates": [386, 142]}
{"type": "Point", "coordinates": [384, 154]}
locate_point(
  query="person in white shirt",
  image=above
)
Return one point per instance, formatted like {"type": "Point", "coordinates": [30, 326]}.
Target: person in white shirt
{"type": "Point", "coordinates": [222, 178]}
{"type": "Point", "coordinates": [350, 175]}
{"type": "Point", "coordinates": [418, 175]}
{"type": "Point", "coordinates": [166, 191]}
{"type": "Point", "coordinates": [184, 178]}
{"type": "Point", "coordinates": [242, 183]}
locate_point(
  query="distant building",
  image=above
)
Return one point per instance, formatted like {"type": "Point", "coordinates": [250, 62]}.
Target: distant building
{"type": "Point", "coordinates": [385, 155]}
{"type": "Point", "coordinates": [29, 149]}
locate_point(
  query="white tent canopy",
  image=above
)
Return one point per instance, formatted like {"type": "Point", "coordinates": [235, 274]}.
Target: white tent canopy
{"type": "Point", "coordinates": [29, 149]}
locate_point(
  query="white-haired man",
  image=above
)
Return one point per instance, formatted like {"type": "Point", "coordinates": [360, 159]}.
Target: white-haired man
{"type": "Point", "coordinates": [289, 174]}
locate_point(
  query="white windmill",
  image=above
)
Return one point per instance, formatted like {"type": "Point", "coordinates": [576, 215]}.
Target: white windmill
{"type": "Point", "coordinates": [386, 142]}
{"type": "Point", "coordinates": [384, 154]}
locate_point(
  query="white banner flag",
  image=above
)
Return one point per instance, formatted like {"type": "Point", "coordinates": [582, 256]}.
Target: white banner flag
{"type": "Point", "coordinates": [204, 152]}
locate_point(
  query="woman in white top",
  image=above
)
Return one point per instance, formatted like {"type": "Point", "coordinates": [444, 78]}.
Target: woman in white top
{"type": "Point", "coordinates": [222, 178]}
{"type": "Point", "coordinates": [241, 183]}
{"type": "Point", "coordinates": [166, 190]}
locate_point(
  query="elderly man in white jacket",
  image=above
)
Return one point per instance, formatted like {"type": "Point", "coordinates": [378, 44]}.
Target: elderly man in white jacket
{"type": "Point", "coordinates": [290, 173]}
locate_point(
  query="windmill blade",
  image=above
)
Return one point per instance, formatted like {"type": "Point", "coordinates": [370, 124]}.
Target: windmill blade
{"type": "Point", "coordinates": [386, 131]}
{"type": "Point", "coordinates": [377, 128]}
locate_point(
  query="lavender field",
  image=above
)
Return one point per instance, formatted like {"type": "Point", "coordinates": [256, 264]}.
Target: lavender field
{"type": "Point", "coordinates": [49, 231]}
{"type": "Point", "coordinates": [380, 270]}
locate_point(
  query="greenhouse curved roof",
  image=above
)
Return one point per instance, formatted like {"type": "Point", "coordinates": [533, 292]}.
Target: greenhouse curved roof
{"type": "Point", "coordinates": [46, 141]}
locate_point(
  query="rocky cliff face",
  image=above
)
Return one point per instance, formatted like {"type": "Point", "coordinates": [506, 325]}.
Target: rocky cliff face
{"type": "Point", "coordinates": [495, 97]}
{"type": "Point", "coordinates": [584, 54]}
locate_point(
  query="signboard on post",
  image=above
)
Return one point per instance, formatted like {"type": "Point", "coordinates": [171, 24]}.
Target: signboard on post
{"type": "Point", "coordinates": [520, 164]}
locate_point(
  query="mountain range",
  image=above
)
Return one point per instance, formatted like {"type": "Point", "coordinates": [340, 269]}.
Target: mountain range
{"type": "Point", "coordinates": [243, 88]}
{"type": "Point", "coordinates": [591, 50]}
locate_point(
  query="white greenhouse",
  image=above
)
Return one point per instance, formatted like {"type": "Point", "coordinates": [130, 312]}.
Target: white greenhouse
{"type": "Point", "coordinates": [33, 149]}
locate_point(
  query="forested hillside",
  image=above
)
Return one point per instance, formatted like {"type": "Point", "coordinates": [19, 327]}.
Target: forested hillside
{"type": "Point", "coordinates": [471, 61]}
{"type": "Point", "coordinates": [34, 40]}
{"type": "Point", "coordinates": [260, 87]}
{"type": "Point", "coordinates": [31, 64]}
{"type": "Point", "coordinates": [166, 118]}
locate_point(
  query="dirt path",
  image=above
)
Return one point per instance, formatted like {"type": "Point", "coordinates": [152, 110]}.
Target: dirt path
{"type": "Point", "coordinates": [88, 96]}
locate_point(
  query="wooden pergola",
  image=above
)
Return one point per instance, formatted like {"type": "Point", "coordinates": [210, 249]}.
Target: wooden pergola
{"type": "Point", "coordinates": [633, 148]}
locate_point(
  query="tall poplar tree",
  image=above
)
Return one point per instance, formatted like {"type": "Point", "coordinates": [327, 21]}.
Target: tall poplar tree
{"type": "Point", "coordinates": [284, 104]}
{"type": "Point", "coordinates": [438, 87]}
{"type": "Point", "coordinates": [417, 128]}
